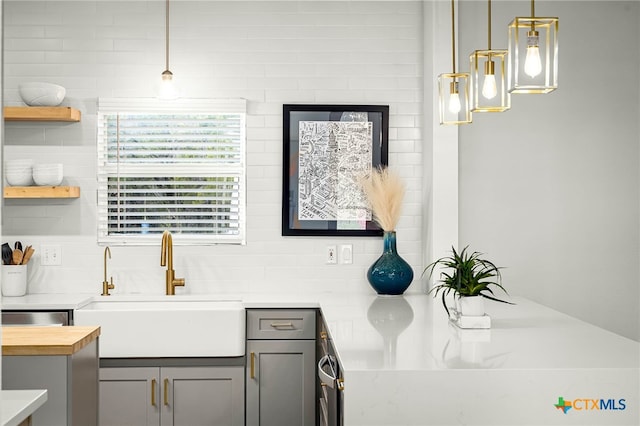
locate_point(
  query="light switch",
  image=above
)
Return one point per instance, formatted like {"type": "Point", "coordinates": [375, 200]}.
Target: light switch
{"type": "Point", "coordinates": [51, 254]}
{"type": "Point", "coordinates": [346, 254]}
{"type": "Point", "coordinates": [332, 256]}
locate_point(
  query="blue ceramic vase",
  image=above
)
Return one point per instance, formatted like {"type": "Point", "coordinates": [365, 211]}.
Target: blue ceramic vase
{"type": "Point", "coordinates": [390, 274]}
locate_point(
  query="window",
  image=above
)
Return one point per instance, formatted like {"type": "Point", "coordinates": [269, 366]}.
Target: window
{"type": "Point", "coordinates": [176, 165]}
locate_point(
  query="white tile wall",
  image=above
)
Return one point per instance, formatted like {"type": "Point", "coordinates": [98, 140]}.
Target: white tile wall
{"type": "Point", "coordinates": [365, 52]}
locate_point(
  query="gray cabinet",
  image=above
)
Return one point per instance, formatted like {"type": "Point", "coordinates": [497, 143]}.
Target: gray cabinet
{"type": "Point", "coordinates": [280, 376]}
{"type": "Point", "coordinates": [171, 396]}
{"type": "Point", "coordinates": [129, 396]}
{"type": "Point", "coordinates": [70, 381]}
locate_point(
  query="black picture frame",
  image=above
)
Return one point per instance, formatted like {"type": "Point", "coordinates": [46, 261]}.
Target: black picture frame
{"type": "Point", "coordinates": [335, 143]}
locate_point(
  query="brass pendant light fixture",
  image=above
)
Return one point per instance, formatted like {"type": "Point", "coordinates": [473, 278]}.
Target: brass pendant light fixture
{"type": "Point", "coordinates": [488, 77]}
{"type": "Point", "coordinates": [533, 54]}
{"type": "Point", "coordinates": [168, 89]}
{"type": "Point", "coordinates": [453, 88]}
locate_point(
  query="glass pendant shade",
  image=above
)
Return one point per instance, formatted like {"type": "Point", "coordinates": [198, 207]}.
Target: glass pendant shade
{"type": "Point", "coordinates": [533, 55]}
{"type": "Point", "coordinates": [168, 90]}
{"type": "Point", "coordinates": [453, 94]}
{"type": "Point", "coordinates": [488, 81]}
{"type": "Point", "coordinates": [453, 88]}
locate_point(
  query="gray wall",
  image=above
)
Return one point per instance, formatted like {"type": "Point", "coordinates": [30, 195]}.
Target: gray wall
{"type": "Point", "coordinates": [550, 189]}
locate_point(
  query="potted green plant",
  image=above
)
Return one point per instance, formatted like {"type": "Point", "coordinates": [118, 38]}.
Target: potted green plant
{"type": "Point", "coordinates": [469, 278]}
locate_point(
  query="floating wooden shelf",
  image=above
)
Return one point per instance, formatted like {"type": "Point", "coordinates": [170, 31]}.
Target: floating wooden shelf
{"type": "Point", "coordinates": [41, 114]}
{"type": "Point", "coordinates": [41, 192]}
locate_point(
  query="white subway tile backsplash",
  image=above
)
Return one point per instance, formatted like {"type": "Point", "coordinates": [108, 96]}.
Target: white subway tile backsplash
{"type": "Point", "coordinates": [270, 53]}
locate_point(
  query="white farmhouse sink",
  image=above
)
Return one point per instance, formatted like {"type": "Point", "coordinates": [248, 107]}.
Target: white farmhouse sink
{"type": "Point", "coordinates": [166, 326]}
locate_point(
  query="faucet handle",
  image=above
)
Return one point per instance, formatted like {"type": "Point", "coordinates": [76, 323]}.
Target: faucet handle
{"type": "Point", "coordinates": [106, 286]}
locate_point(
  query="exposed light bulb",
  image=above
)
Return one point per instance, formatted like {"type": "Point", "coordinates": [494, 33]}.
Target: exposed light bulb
{"type": "Point", "coordinates": [168, 90]}
{"type": "Point", "coordinates": [454, 103]}
{"type": "Point", "coordinates": [489, 87]}
{"type": "Point", "coordinates": [532, 63]}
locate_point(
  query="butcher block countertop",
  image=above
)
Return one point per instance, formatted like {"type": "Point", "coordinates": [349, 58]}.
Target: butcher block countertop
{"type": "Point", "coordinates": [30, 340]}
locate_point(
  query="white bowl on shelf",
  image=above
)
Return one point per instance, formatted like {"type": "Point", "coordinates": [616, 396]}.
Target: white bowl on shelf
{"type": "Point", "coordinates": [19, 178]}
{"type": "Point", "coordinates": [19, 172]}
{"type": "Point", "coordinates": [41, 94]}
{"type": "Point", "coordinates": [47, 174]}
{"type": "Point", "coordinates": [20, 163]}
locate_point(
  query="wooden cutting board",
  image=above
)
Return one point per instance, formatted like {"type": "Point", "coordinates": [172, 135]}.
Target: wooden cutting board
{"type": "Point", "coordinates": [47, 340]}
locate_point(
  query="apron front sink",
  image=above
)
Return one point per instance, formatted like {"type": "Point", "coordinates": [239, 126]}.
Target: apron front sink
{"type": "Point", "coordinates": [166, 326]}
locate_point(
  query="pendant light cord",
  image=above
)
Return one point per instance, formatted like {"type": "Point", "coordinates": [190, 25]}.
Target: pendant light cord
{"type": "Point", "coordinates": [167, 36]}
{"type": "Point", "coordinates": [453, 36]}
{"type": "Point", "coordinates": [489, 25]}
{"type": "Point", "coordinates": [533, 15]}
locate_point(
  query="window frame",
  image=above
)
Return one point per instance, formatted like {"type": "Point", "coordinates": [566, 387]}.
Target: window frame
{"type": "Point", "coordinates": [108, 106]}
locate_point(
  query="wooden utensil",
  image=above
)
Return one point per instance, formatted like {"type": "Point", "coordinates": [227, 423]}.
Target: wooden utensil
{"type": "Point", "coordinates": [16, 257]}
{"type": "Point", "coordinates": [28, 252]}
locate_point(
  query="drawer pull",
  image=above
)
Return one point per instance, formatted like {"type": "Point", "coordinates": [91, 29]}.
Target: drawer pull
{"type": "Point", "coordinates": [153, 392]}
{"type": "Point", "coordinates": [166, 391]}
{"type": "Point", "coordinates": [282, 325]}
{"type": "Point", "coordinates": [253, 365]}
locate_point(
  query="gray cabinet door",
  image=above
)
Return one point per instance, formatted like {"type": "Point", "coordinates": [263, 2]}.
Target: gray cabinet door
{"type": "Point", "coordinates": [202, 396]}
{"type": "Point", "coordinates": [129, 396]}
{"type": "Point", "coordinates": [280, 383]}
{"type": "Point", "coordinates": [172, 396]}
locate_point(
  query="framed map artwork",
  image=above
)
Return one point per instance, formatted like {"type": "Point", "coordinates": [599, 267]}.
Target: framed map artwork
{"type": "Point", "coordinates": [327, 150]}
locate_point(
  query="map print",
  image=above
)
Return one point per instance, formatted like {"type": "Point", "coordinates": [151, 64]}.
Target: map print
{"type": "Point", "coordinates": [333, 155]}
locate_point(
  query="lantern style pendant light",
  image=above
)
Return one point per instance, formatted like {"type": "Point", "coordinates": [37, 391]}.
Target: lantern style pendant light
{"type": "Point", "coordinates": [488, 77]}
{"type": "Point", "coordinates": [168, 89]}
{"type": "Point", "coordinates": [453, 88]}
{"type": "Point", "coordinates": [533, 54]}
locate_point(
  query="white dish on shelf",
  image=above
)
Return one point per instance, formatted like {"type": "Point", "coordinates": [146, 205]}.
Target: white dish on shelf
{"type": "Point", "coordinates": [47, 174]}
{"type": "Point", "coordinates": [19, 172]}
{"type": "Point", "coordinates": [41, 94]}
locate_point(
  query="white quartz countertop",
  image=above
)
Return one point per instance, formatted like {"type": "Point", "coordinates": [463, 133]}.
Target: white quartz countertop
{"type": "Point", "coordinates": [411, 332]}
{"type": "Point", "coordinates": [17, 405]}
{"type": "Point", "coordinates": [46, 301]}
{"type": "Point", "coordinates": [403, 363]}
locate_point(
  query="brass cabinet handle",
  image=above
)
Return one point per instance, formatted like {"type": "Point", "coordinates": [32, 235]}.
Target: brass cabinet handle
{"type": "Point", "coordinates": [252, 359]}
{"type": "Point", "coordinates": [153, 392]}
{"type": "Point", "coordinates": [166, 391]}
{"type": "Point", "coordinates": [323, 335]}
{"type": "Point", "coordinates": [282, 325]}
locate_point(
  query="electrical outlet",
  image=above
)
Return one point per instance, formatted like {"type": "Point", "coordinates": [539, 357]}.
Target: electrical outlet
{"type": "Point", "coordinates": [346, 254]}
{"type": "Point", "coordinates": [332, 256]}
{"type": "Point", "coordinates": [50, 254]}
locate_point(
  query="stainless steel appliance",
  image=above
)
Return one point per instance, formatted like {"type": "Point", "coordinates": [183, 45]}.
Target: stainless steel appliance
{"type": "Point", "coordinates": [330, 381]}
{"type": "Point", "coordinates": [37, 318]}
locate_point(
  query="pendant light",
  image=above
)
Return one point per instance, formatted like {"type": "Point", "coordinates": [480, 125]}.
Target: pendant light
{"type": "Point", "coordinates": [453, 88]}
{"type": "Point", "coordinates": [533, 54]}
{"type": "Point", "coordinates": [168, 89]}
{"type": "Point", "coordinates": [488, 80]}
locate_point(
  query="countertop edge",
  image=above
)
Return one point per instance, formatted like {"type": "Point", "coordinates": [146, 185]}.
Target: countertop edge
{"type": "Point", "coordinates": [16, 345]}
{"type": "Point", "coordinates": [17, 405]}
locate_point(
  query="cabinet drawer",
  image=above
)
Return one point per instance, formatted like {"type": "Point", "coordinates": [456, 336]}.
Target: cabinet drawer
{"type": "Point", "coordinates": [281, 324]}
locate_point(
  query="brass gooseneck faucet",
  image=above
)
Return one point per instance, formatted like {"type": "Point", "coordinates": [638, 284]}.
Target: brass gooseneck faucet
{"type": "Point", "coordinates": [106, 286]}
{"type": "Point", "coordinates": [166, 259]}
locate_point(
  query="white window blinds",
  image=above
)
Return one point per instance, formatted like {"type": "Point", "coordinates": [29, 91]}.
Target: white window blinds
{"type": "Point", "coordinates": [176, 165]}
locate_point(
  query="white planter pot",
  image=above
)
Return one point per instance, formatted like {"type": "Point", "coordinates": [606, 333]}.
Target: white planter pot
{"type": "Point", "coordinates": [471, 306]}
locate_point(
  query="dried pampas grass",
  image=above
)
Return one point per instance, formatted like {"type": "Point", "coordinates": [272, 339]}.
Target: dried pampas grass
{"type": "Point", "coordinates": [385, 192]}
